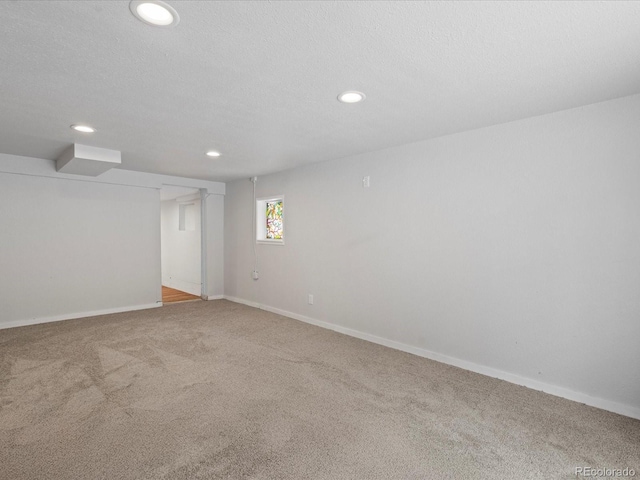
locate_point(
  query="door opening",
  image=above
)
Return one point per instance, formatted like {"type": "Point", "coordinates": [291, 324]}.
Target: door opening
{"type": "Point", "coordinates": [181, 237]}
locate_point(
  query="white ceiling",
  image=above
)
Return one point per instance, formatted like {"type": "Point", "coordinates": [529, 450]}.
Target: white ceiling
{"type": "Point", "coordinates": [258, 80]}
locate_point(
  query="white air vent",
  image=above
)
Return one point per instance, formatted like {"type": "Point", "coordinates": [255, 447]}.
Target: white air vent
{"type": "Point", "coordinates": [85, 160]}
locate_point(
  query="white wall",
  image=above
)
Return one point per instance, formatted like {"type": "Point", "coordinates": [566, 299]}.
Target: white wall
{"type": "Point", "coordinates": [214, 208]}
{"type": "Point", "coordinates": [71, 248]}
{"type": "Point", "coordinates": [512, 250]}
{"type": "Point", "coordinates": [74, 246]}
{"type": "Point", "coordinates": [181, 265]}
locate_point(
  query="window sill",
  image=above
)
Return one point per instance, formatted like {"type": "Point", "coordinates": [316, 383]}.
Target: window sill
{"type": "Point", "coordinates": [270, 242]}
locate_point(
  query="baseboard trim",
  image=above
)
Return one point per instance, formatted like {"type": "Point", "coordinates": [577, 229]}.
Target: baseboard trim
{"type": "Point", "coordinates": [251, 304]}
{"type": "Point", "coordinates": [71, 316]}
{"type": "Point", "coordinates": [557, 391]}
{"type": "Point", "coordinates": [212, 297]}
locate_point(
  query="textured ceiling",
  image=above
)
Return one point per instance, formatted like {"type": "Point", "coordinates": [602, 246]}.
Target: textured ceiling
{"type": "Point", "coordinates": [258, 80]}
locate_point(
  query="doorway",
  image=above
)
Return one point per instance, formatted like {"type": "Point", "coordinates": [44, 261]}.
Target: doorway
{"type": "Point", "coordinates": [181, 236]}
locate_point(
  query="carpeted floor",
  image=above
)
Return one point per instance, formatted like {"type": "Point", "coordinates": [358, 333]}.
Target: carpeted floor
{"type": "Point", "coordinates": [220, 390]}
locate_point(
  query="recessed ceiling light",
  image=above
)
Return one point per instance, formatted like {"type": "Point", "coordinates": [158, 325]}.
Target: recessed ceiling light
{"type": "Point", "coordinates": [83, 128]}
{"type": "Point", "coordinates": [351, 97]}
{"type": "Point", "coordinates": [213, 153]}
{"type": "Point", "coordinates": [154, 12]}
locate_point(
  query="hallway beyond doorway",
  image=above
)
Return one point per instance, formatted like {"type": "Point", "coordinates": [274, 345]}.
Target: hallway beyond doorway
{"type": "Point", "coordinates": [171, 295]}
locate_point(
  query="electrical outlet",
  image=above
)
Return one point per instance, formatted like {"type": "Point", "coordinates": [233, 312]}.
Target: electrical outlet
{"type": "Point", "coordinates": [365, 181]}
{"type": "Point", "coordinates": [310, 299]}
{"type": "Point", "coordinates": [255, 275]}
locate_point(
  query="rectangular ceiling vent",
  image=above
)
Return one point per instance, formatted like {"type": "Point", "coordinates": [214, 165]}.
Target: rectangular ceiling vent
{"type": "Point", "coordinates": [85, 160]}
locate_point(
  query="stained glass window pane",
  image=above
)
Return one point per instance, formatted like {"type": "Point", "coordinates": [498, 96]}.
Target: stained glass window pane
{"type": "Point", "coordinates": [274, 220]}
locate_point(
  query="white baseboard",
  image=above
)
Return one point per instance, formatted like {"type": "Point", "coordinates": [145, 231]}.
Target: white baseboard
{"type": "Point", "coordinates": [212, 297]}
{"type": "Point", "coordinates": [71, 316]}
{"type": "Point", "coordinates": [251, 304]}
{"type": "Point", "coordinates": [611, 406]}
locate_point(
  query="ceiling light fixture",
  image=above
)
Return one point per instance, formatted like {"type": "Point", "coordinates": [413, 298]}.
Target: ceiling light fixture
{"type": "Point", "coordinates": [213, 153]}
{"type": "Point", "coordinates": [83, 128]}
{"type": "Point", "coordinates": [154, 12]}
{"type": "Point", "coordinates": [351, 97]}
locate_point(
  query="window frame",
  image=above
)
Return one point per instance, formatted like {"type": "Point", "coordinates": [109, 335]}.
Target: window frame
{"type": "Point", "coordinates": [261, 220]}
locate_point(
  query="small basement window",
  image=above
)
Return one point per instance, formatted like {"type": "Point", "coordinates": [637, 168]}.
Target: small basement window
{"type": "Point", "coordinates": [270, 220]}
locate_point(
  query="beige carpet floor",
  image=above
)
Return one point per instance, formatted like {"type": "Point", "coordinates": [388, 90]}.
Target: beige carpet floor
{"type": "Point", "coordinates": [209, 390]}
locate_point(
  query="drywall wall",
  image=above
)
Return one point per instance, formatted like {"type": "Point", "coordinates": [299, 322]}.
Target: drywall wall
{"type": "Point", "coordinates": [214, 214]}
{"type": "Point", "coordinates": [181, 266]}
{"type": "Point", "coordinates": [511, 250]}
{"type": "Point", "coordinates": [71, 248]}
{"type": "Point", "coordinates": [60, 209]}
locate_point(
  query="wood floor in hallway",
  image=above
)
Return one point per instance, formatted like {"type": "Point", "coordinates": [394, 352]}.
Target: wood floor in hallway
{"type": "Point", "coordinates": [171, 295]}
